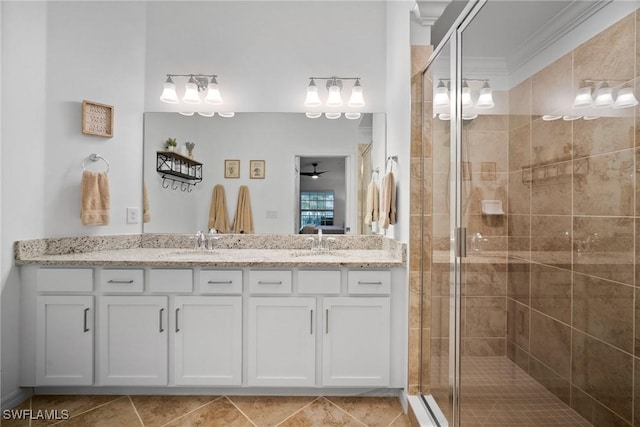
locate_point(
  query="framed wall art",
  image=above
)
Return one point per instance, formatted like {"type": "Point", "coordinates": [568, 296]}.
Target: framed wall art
{"type": "Point", "coordinates": [97, 119]}
{"type": "Point", "coordinates": [232, 168]}
{"type": "Point", "coordinates": [256, 169]}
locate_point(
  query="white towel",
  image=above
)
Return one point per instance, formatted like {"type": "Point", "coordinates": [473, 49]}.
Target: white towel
{"type": "Point", "coordinates": [388, 201]}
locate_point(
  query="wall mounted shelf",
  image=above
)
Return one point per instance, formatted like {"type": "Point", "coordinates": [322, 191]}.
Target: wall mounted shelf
{"type": "Point", "coordinates": [178, 171]}
{"type": "Point", "coordinates": [554, 173]}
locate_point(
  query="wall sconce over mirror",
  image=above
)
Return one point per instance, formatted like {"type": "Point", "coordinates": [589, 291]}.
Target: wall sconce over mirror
{"type": "Point", "coordinates": [196, 84]}
{"type": "Point", "coordinates": [625, 97]}
{"type": "Point", "coordinates": [442, 98]}
{"type": "Point", "coordinates": [334, 87]}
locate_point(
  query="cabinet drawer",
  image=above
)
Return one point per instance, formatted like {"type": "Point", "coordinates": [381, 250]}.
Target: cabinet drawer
{"type": "Point", "coordinates": [65, 279]}
{"type": "Point", "coordinates": [168, 280]}
{"type": "Point", "coordinates": [369, 282]}
{"type": "Point", "coordinates": [270, 282]}
{"type": "Point", "coordinates": [220, 282]}
{"type": "Point", "coordinates": [319, 282]}
{"type": "Point", "coordinates": [122, 280]}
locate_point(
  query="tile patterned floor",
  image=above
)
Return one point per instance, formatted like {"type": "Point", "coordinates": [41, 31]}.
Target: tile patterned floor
{"type": "Point", "coordinates": [496, 392]}
{"type": "Point", "coordinates": [212, 411]}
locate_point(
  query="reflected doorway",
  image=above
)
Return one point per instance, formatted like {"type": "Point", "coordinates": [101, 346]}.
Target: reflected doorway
{"type": "Point", "coordinates": [321, 194]}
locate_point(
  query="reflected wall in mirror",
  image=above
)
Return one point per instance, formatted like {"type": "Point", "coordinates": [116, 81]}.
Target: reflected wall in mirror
{"type": "Point", "coordinates": [277, 138]}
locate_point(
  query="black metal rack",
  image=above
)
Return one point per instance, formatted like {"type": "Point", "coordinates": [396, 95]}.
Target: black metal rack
{"type": "Point", "coordinates": [182, 171]}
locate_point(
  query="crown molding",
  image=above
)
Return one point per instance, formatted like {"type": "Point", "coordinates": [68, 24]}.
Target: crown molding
{"type": "Point", "coordinates": [426, 13]}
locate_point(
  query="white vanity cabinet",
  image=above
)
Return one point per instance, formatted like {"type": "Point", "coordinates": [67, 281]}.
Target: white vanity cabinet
{"type": "Point", "coordinates": [207, 348]}
{"type": "Point", "coordinates": [133, 333]}
{"type": "Point", "coordinates": [282, 341]}
{"type": "Point", "coordinates": [64, 340]}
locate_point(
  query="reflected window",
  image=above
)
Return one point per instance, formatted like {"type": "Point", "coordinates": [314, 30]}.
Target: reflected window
{"type": "Point", "coordinates": [316, 208]}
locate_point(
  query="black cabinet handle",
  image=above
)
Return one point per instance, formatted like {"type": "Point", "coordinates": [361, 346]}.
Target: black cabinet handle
{"type": "Point", "coordinates": [86, 329]}
{"type": "Point", "coordinates": [161, 328]}
{"type": "Point", "coordinates": [177, 328]}
{"type": "Point", "coordinates": [120, 281]}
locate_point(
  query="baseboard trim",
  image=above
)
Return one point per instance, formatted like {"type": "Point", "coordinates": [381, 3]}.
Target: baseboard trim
{"type": "Point", "coordinates": [15, 398]}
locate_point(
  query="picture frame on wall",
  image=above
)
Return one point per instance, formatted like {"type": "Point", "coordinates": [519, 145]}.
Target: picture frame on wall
{"type": "Point", "coordinates": [256, 169]}
{"type": "Point", "coordinates": [232, 169]}
{"type": "Point", "coordinates": [97, 119]}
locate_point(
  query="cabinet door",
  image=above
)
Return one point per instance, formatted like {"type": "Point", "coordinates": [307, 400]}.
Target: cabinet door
{"type": "Point", "coordinates": [281, 343]}
{"type": "Point", "coordinates": [208, 340]}
{"type": "Point", "coordinates": [64, 340]}
{"type": "Point", "coordinates": [133, 340]}
{"type": "Point", "coordinates": [355, 341]}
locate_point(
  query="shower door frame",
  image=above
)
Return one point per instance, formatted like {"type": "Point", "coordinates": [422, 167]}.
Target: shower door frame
{"type": "Point", "coordinates": [458, 231]}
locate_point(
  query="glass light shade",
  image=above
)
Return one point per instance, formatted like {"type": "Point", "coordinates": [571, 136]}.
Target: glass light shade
{"type": "Point", "coordinates": [191, 92]}
{"type": "Point", "coordinates": [583, 98]}
{"type": "Point", "coordinates": [604, 98]}
{"type": "Point", "coordinates": [441, 97]}
{"type": "Point", "coordinates": [169, 94]}
{"type": "Point", "coordinates": [466, 95]}
{"type": "Point", "coordinates": [207, 113]}
{"type": "Point", "coordinates": [226, 114]}
{"type": "Point", "coordinates": [357, 99]}
{"type": "Point", "coordinates": [469, 116]}
{"type": "Point", "coordinates": [485, 100]}
{"type": "Point", "coordinates": [443, 116]}
{"type": "Point", "coordinates": [334, 100]}
{"type": "Point", "coordinates": [315, 176]}
{"type": "Point", "coordinates": [312, 100]}
{"type": "Point", "coordinates": [625, 98]}
{"type": "Point", "coordinates": [313, 115]}
{"type": "Point", "coordinates": [186, 113]}
{"type": "Point", "coordinates": [213, 93]}
{"type": "Point", "coordinates": [551, 117]}
{"type": "Point", "coordinates": [332, 116]}
{"type": "Point", "coordinates": [571, 118]}
{"type": "Point", "coordinates": [352, 116]}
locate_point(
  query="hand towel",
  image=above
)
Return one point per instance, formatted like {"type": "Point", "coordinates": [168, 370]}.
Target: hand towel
{"type": "Point", "coordinates": [388, 201]}
{"type": "Point", "coordinates": [243, 219]}
{"type": "Point", "coordinates": [373, 204]}
{"type": "Point", "coordinates": [218, 216]}
{"type": "Point", "coordinates": [94, 194]}
{"type": "Point", "coordinates": [146, 216]}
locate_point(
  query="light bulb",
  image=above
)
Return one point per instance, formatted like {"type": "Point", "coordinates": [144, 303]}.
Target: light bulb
{"type": "Point", "coordinates": [334, 100]}
{"type": "Point", "coordinates": [583, 98]}
{"type": "Point", "coordinates": [312, 100]}
{"type": "Point", "coordinates": [313, 115]}
{"type": "Point", "coordinates": [352, 116]}
{"type": "Point", "coordinates": [332, 116]}
{"type": "Point", "coordinates": [213, 93]}
{"type": "Point", "coordinates": [191, 92]}
{"type": "Point", "coordinates": [485, 100]}
{"type": "Point", "coordinates": [603, 97]}
{"type": "Point", "coordinates": [357, 99]}
{"type": "Point", "coordinates": [441, 98]}
{"type": "Point", "coordinates": [625, 98]}
{"type": "Point", "coordinates": [466, 95]}
{"type": "Point", "coordinates": [169, 94]}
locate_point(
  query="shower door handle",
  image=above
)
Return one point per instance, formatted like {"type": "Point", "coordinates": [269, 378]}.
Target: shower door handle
{"type": "Point", "coordinates": [461, 242]}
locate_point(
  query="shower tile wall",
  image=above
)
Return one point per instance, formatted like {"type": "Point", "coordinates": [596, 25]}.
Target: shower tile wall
{"type": "Point", "coordinates": [572, 275]}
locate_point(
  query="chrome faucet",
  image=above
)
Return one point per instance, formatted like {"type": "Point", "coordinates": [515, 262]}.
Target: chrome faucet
{"type": "Point", "coordinates": [200, 240]}
{"type": "Point", "coordinates": [319, 244]}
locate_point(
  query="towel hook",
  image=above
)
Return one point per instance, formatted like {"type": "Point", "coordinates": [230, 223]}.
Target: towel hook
{"type": "Point", "coordinates": [94, 158]}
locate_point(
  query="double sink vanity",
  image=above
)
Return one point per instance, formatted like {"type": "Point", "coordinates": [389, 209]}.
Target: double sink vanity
{"type": "Point", "coordinates": [257, 314]}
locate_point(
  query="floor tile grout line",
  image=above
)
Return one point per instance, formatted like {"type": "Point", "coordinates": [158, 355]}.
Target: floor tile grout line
{"type": "Point", "coordinates": [192, 411]}
{"type": "Point", "coordinates": [240, 410]}
{"type": "Point", "coordinates": [343, 410]}
{"type": "Point", "coordinates": [88, 410]}
{"type": "Point", "coordinates": [135, 410]}
{"type": "Point", "coordinates": [396, 418]}
{"type": "Point", "coordinates": [312, 400]}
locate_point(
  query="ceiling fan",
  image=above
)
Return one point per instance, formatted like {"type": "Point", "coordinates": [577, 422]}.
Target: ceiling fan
{"type": "Point", "coordinates": [315, 174]}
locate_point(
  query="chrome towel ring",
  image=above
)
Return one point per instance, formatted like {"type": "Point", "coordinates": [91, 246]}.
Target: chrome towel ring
{"type": "Point", "coordinates": [94, 158]}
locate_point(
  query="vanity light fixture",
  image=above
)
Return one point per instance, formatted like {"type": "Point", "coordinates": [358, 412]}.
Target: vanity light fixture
{"type": "Point", "coordinates": [332, 116]}
{"type": "Point", "coordinates": [625, 98]}
{"type": "Point", "coordinates": [334, 87]}
{"type": "Point", "coordinates": [352, 116]}
{"type": "Point", "coordinates": [466, 95]}
{"type": "Point", "coordinates": [485, 100]}
{"type": "Point", "coordinates": [441, 97]}
{"type": "Point", "coordinates": [583, 98]}
{"type": "Point", "coordinates": [197, 83]}
{"type": "Point", "coordinates": [604, 97]}
{"type": "Point", "coordinates": [313, 115]}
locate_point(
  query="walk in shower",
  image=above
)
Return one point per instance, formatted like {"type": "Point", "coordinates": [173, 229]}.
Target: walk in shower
{"type": "Point", "coordinates": [529, 127]}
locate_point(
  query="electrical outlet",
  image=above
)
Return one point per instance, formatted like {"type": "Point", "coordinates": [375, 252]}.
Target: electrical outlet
{"type": "Point", "coordinates": [133, 215]}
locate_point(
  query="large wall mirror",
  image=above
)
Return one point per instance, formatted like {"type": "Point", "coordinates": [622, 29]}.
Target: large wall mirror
{"type": "Point", "coordinates": [281, 146]}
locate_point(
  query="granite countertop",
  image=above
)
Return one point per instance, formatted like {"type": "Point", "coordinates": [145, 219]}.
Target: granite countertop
{"type": "Point", "coordinates": [125, 251]}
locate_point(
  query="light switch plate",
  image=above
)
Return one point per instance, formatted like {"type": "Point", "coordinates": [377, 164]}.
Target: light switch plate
{"type": "Point", "coordinates": [133, 215]}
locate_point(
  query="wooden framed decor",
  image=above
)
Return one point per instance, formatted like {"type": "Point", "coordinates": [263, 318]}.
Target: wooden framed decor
{"type": "Point", "coordinates": [232, 168]}
{"type": "Point", "coordinates": [256, 169]}
{"type": "Point", "coordinates": [97, 119]}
